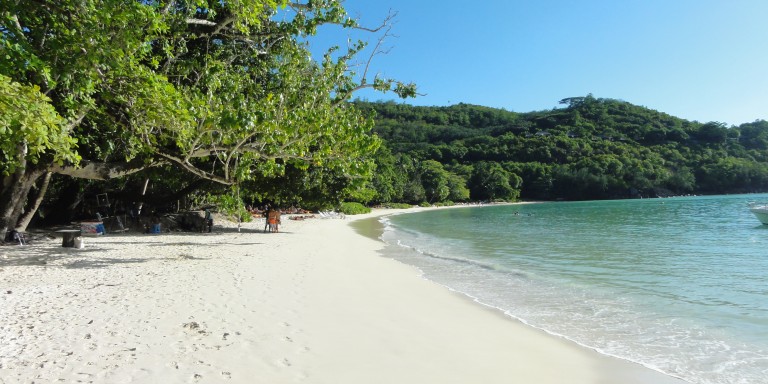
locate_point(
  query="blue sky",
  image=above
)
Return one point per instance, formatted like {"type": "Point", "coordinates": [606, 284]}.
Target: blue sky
{"type": "Point", "coordinates": [704, 60]}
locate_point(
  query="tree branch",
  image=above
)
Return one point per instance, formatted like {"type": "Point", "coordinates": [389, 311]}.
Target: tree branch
{"type": "Point", "coordinates": [201, 22]}
{"type": "Point", "coordinates": [376, 51]}
{"type": "Point", "coordinates": [223, 24]}
{"type": "Point", "coordinates": [196, 171]}
{"type": "Point", "coordinates": [299, 8]}
{"type": "Point", "coordinates": [167, 7]}
{"type": "Point", "coordinates": [103, 171]}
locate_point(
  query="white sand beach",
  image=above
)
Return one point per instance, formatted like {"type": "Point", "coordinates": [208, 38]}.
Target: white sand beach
{"type": "Point", "coordinates": [314, 303]}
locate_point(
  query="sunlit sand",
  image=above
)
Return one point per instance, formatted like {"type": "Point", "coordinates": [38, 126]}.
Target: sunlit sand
{"type": "Point", "coordinates": [314, 303]}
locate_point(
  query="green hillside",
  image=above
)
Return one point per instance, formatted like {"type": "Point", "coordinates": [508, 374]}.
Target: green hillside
{"type": "Point", "coordinates": [591, 148]}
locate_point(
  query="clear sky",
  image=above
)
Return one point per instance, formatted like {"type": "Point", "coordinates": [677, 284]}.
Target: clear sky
{"type": "Point", "coordinates": [704, 60]}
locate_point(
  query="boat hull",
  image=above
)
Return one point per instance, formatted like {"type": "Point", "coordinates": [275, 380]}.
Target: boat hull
{"type": "Point", "coordinates": [761, 213]}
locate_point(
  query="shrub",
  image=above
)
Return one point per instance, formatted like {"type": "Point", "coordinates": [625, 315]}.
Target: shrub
{"type": "Point", "coordinates": [398, 205]}
{"type": "Point", "coordinates": [353, 209]}
{"type": "Point", "coordinates": [229, 206]}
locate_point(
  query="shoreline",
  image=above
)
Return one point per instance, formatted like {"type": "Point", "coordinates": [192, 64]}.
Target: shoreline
{"type": "Point", "coordinates": [315, 303]}
{"type": "Point", "coordinates": [370, 226]}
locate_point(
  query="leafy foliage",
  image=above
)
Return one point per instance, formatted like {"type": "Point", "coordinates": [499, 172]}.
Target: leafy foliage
{"type": "Point", "coordinates": [226, 91]}
{"type": "Point", "coordinates": [30, 128]}
{"type": "Point", "coordinates": [352, 208]}
{"type": "Point", "coordinates": [589, 149]}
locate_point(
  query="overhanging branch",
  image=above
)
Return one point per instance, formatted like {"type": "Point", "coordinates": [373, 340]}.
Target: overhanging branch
{"type": "Point", "coordinates": [201, 22]}
{"type": "Point", "coordinates": [196, 171]}
{"type": "Point", "coordinates": [103, 171]}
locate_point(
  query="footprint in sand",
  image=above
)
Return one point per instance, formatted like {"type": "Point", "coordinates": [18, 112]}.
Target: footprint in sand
{"type": "Point", "coordinates": [194, 327]}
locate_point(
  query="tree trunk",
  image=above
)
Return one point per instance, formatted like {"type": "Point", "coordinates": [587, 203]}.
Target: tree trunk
{"type": "Point", "coordinates": [36, 200]}
{"type": "Point", "coordinates": [21, 202]}
{"type": "Point", "coordinates": [143, 193]}
{"type": "Point", "coordinates": [14, 197]}
{"type": "Point", "coordinates": [6, 202]}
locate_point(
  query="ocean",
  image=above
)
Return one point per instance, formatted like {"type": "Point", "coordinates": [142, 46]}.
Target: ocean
{"type": "Point", "coordinates": [679, 285]}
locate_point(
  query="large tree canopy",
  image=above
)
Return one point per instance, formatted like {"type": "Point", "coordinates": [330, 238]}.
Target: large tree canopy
{"type": "Point", "coordinates": [224, 90]}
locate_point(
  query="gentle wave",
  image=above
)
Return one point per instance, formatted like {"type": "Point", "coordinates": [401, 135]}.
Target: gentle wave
{"type": "Point", "coordinates": [491, 267]}
{"type": "Point", "coordinates": [689, 336]}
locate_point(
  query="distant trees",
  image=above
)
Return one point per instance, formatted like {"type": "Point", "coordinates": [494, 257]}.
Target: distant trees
{"type": "Point", "coordinates": [401, 178]}
{"type": "Point", "coordinates": [591, 149]}
{"type": "Point", "coordinates": [434, 179]}
{"type": "Point", "coordinates": [754, 135]}
{"type": "Point", "coordinates": [712, 133]}
{"type": "Point", "coordinates": [490, 181]}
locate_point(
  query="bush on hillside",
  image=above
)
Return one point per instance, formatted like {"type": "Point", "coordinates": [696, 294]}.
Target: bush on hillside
{"type": "Point", "coordinates": [353, 209]}
{"type": "Point", "coordinates": [398, 205]}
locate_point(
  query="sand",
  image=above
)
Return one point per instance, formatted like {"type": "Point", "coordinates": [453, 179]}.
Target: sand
{"type": "Point", "coordinates": [314, 303]}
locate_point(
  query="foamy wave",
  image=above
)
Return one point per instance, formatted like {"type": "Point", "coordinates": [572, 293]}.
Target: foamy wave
{"type": "Point", "coordinates": [397, 239]}
{"type": "Point", "coordinates": [590, 313]}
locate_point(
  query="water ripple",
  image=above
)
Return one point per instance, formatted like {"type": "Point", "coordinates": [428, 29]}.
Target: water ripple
{"type": "Point", "coordinates": [676, 284]}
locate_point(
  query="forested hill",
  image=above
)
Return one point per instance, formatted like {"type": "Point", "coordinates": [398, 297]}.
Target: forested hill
{"type": "Point", "coordinates": [591, 148]}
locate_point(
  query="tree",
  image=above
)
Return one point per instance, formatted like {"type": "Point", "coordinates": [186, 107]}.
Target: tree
{"type": "Point", "coordinates": [754, 135]}
{"type": "Point", "coordinates": [390, 178]}
{"type": "Point", "coordinates": [434, 179]}
{"type": "Point", "coordinates": [29, 129]}
{"type": "Point", "coordinates": [490, 181]}
{"type": "Point", "coordinates": [537, 179]}
{"type": "Point", "coordinates": [712, 132]}
{"type": "Point", "coordinates": [457, 187]}
{"type": "Point", "coordinates": [224, 91]}
{"type": "Point", "coordinates": [681, 181]}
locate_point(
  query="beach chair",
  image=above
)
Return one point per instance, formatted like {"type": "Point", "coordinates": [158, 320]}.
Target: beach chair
{"type": "Point", "coordinates": [331, 215]}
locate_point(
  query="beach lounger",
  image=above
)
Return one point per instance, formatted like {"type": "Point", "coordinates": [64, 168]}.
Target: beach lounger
{"type": "Point", "coordinates": [331, 215]}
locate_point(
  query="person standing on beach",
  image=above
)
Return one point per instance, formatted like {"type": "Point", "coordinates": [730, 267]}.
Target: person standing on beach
{"type": "Point", "coordinates": [209, 219]}
{"type": "Point", "coordinates": [267, 210]}
{"type": "Point", "coordinates": [273, 219]}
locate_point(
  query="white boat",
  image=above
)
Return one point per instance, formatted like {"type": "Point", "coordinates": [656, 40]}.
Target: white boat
{"type": "Point", "coordinates": [760, 211]}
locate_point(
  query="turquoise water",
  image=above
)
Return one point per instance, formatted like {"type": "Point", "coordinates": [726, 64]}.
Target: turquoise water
{"type": "Point", "coordinates": [679, 285]}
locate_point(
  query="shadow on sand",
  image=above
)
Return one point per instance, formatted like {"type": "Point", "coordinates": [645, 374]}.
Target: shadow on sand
{"type": "Point", "coordinates": [49, 253]}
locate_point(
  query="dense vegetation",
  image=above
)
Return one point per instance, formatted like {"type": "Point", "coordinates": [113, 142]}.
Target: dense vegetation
{"type": "Point", "coordinates": [190, 97]}
{"type": "Point", "coordinates": [180, 103]}
{"type": "Point", "coordinates": [591, 148]}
